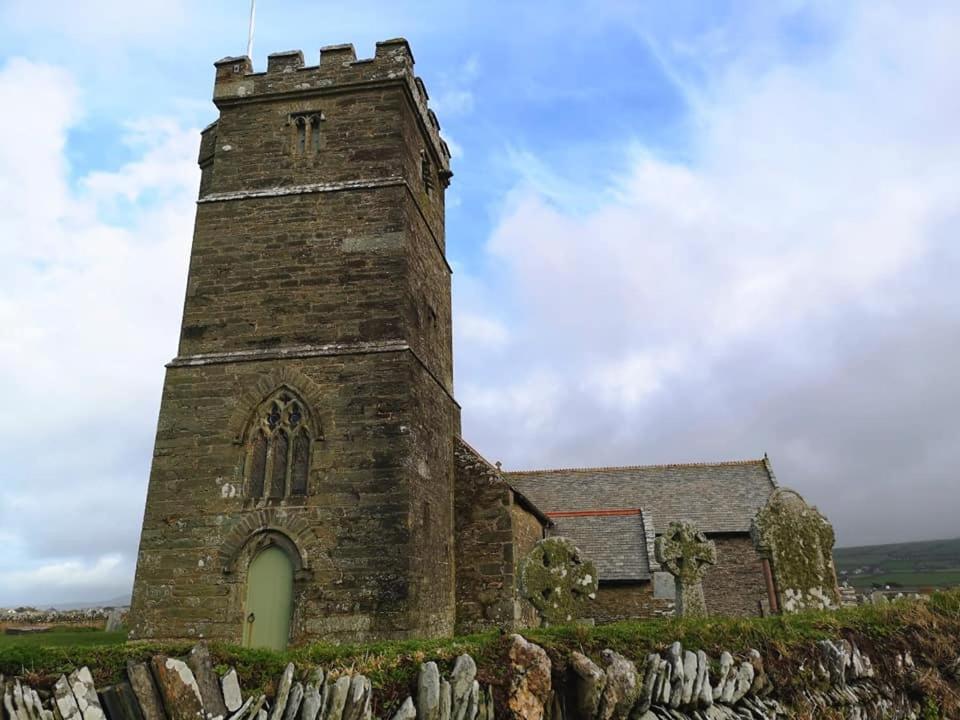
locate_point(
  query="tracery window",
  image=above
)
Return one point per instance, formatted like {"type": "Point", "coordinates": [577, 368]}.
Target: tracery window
{"type": "Point", "coordinates": [278, 448]}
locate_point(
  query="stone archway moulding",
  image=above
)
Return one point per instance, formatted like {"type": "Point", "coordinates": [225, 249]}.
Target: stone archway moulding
{"type": "Point", "coordinates": [292, 534]}
{"type": "Point", "coordinates": [267, 384]}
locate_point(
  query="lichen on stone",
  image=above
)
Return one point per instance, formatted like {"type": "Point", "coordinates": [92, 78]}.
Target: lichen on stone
{"type": "Point", "coordinates": [798, 541]}
{"type": "Point", "coordinates": [557, 580]}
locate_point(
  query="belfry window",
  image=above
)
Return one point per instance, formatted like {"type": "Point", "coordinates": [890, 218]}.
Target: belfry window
{"type": "Point", "coordinates": [426, 172]}
{"type": "Point", "coordinates": [301, 134]}
{"type": "Point", "coordinates": [307, 140]}
{"type": "Point", "coordinates": [278, 446]}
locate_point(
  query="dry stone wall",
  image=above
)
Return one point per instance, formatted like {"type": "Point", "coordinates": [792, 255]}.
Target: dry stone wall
{"type": "Point", "coordinates": [840, 681]}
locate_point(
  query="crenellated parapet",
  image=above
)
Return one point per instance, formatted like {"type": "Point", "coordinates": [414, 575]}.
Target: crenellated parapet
{"type": "Point", "coordinates": [338, 69]}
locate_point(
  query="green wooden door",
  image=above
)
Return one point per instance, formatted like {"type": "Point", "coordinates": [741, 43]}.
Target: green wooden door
{"type": "Point", "coordinates": [269, 600]}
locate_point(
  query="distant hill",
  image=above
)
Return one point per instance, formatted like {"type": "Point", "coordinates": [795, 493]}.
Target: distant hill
{"type": "Point", "coordinates": [121, 601]}
{"type": "Point", "coordinates": [931, 563]}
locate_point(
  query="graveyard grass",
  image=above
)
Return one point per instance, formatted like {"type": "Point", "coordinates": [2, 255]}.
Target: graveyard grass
{"type": "Point", "coordinates": [392, 666]}
{"type": "Point", "coordinates": [64, 636]}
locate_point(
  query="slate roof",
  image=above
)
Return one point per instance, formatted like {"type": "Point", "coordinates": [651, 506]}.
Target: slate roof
{"type": "Point", "coordinates": [596, 536]}
{"type": "Point", "coordinates": [718, 497]}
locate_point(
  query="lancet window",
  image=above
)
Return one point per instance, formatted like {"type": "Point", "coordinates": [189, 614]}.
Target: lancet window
{"type": "Point", "coordinates": [307, 125]}
{"type": "Point", "coordinates": [278, 448]}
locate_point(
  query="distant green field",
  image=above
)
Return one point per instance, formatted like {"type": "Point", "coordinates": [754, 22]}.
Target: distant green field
{"type": "Point", "coordinates": [946, 578]}
{"type": "Point", "coordinates": [935, 563]}
{"type": "Point", "coordinates": [64, 637]}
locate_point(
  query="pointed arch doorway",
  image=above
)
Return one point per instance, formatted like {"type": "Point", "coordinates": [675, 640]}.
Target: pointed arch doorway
{"type": "Point", "coordinates": [268, 602]}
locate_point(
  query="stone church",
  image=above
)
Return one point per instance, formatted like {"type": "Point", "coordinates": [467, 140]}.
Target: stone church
{"type": "Point", "coordinates": [309, 478]}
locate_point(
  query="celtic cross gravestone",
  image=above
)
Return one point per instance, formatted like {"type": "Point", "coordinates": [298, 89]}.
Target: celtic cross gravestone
{"type": "Point", "coordinates": [686, 554]}
{"type": "Point", "coordinates": [557, 581]}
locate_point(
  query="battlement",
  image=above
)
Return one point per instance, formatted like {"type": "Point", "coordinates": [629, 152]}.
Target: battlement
{"type": "Point", "coordinates": [338, 68]}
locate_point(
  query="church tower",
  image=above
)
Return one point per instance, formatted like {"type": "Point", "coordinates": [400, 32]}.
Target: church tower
{"type": "Point", "coordinates": [302, 478]}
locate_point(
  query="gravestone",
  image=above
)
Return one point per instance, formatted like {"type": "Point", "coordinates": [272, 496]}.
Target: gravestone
{"type": "Point", "coordinates": [797, 541]}
{"type": "Point", "coordinates": [557, 580]}
{"type": "Point", "coordinates": [686, 554]}
{"type": "Point", "coordinates": [114, 620]}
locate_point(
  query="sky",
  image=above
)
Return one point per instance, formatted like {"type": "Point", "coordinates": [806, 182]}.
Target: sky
{"type": "Point", "coordinates": [680, 232]}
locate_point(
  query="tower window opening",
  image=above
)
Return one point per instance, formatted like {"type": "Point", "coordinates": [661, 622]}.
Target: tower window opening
{"type": "Point", "coordinates": [301, 135]}
{"type": "Point", "coordinates": [308, 138]}
{"type": "Point", "coordinates": [426, 172]}
{"type": "Point", "coordinates": [277, 451]}
{"type": "Point", "coordinates": [315, 133]}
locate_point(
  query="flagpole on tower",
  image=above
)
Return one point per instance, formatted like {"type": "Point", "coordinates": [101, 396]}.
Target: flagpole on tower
{"type": "Point", "coordinates": [253, 10]}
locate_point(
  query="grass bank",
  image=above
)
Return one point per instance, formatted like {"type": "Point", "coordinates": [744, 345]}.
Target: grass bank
{"type": "Point", "coordinates": [66, 636]}
{"type": "Point", "coordinates": [929, 630]}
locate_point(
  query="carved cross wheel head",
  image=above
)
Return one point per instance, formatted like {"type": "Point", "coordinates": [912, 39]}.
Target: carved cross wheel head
{"type": "Point", "coordinates": [557, 581]}
{"type": "Point", "coordinates": [685, 552]}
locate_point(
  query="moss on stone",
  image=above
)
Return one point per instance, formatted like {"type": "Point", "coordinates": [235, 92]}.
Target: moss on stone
{"type": "Point", "coordinates": [798, 540]}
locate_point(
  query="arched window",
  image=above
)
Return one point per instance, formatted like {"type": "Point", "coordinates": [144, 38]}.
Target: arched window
{"type": "Point", "coordinates": [279, 440]}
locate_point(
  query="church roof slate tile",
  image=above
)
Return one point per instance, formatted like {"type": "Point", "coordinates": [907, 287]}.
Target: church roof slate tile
{"type": "Point", "coordinates": [719, 497]}
{"type": "Point", "coordinates": [615, 543]}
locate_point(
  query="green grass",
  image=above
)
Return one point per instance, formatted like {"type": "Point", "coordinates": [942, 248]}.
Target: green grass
{"type": "Point", "coordinates": [909, 580]}
{"type": "Point", "coordinates": [935, 563]}
{"type": "Point", "coordinates": [64, 637]}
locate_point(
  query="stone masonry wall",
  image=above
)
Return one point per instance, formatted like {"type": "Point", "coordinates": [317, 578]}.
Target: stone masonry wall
{"type": "Point", "coordinates": [435, 420]}
{"type": "Point", "coordinates": [352, 528]}
{"type": "Point", "coordinates": [492, 534]}
{"type": "Point", "coordinates": [735, 585]}
{"type": "Point", "coordinates": [527, 532]}
{"type": "Point", "coordinates": [625, 601]}
{"type": "Point", "coordinates": [484, 540]}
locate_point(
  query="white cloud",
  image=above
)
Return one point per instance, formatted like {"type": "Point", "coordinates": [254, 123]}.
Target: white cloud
{"type": "Point", "coordinates": [628, 381]}
{"type": "Point", "coordinates": [453, 96]}
{"type": "Point", "coordinates": [103, 579]}
{"type": "Point", "coordinates": [480, 331]}
{"type": "Point", "coordinates": [816, 192]}
{"type": "Point", "coordinates": [164, 145]}
{"type": "Point", "coordinates": [91, 282]}
{"type": "Point", "coordinates": [453, 102]}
